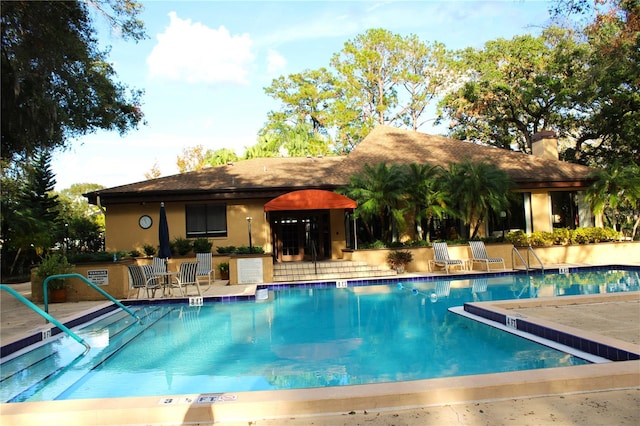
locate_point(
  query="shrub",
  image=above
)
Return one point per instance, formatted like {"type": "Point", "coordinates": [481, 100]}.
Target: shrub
{"type": "Point", "coordinates": [202, 245]}
{"type": "Point", "coordinates": [518, 238]}
{"type": "Point", "coordinates": [611, 234]}
{"type": "Point", "coordinates": [54, 264]}
{"type": "Point", "coordinates": [182, 246]}
{"type": "Point", "coordinates": [246, 250]}
{"type": "Point", "coordinates": [561, 236]}
{"type": "Point", "coordinates": [225, 249]}
{"type": "Point", "coordinates": [541, 239]}
{"type": "Point", "coordinates": [396, 258]}
{"type": "Point", "coordinates": [134, 253]}
{"type": "Point", "coordinates": [149, 250]}
{"type": "Point", "coordinates": [223, 267]}
{"type": "Point", "coordinates": [579, 236]}
{"type": "Point", "coordinates": [100, 256]}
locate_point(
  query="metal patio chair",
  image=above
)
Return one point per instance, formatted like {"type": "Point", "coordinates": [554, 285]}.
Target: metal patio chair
{"type": "Point", "coordinates": [186, 276]}
{"type": "Point", "coordinates": [205, 268]}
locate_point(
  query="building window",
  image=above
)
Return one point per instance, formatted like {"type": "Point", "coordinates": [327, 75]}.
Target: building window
{"type": "Point", "coordinates": [206, 220]}
{"type": "Point", "coordinates": [564, 210]}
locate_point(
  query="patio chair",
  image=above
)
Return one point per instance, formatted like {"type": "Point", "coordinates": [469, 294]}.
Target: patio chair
{"type": "Point", "coordinates": [159, 265]}
{"type": "Point", "coordinates": [441, 258]}
{"type": "Point", "coordinates": [205, 269]}
{"type": "Point", "coordinates": [186, 276]}
{"type": "Point", "coordinates": [140, 278]}
{"type": "Point", "coordinates": [479, 255]}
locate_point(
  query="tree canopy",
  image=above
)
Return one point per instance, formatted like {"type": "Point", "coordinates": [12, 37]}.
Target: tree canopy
{"type": "Point", "coordinates": [57, 82]}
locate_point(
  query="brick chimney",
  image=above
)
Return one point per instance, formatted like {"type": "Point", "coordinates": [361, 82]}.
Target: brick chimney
{"type": "Point", "coordinates": [545, 144]}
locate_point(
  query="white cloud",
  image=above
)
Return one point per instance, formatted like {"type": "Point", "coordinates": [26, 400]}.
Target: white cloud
{"type": "Point", "coordinates": [193, 52]}
{"type": "Point", "coordinates": [275, 62]}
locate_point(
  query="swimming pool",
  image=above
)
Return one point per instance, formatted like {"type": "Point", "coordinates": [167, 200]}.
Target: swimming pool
{"type": "Point", "coordinates": [302, 336]}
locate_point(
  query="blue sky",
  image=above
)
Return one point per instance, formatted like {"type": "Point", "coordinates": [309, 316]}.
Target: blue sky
{"type": "Point", "coordinates": [205, 64]}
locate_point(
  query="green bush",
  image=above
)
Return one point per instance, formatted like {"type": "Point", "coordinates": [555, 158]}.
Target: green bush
{"type": "Point", "coordinates": [396, 258]}
{"type": "Point", "coordinates": [247, 250]}
{"type": "Point", "coordinates": [149, 250]}
{"type": "Point", "coordinates": [580, 236]}
{"type": "Point", "coordinates": [54, 264]}
{"type": "Point", "coordinates": [202, 245]}
{"type": "Point", "coordinates": [223, 267]}
{"type": "Point", "coordinates": [134, 253]}
{"type": "Point", "coordinates": [518, 238]}
{"type": "Point", "coordinates": [612, 235]}
{"type": "Point", "coordinates": [226, 249]}
{"type": "Point", "coordinates": [541, 239]}
{"type": "Point", "coordinates": [561, 236]}
{"type": "Point", "coordinates": [182, 246]}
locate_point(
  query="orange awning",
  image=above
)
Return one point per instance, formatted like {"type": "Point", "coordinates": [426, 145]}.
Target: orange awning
{"type": "Point", "coordinates": [310, 199]}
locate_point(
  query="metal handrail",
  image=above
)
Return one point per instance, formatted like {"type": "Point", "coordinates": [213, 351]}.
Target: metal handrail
{"type": "Point", "coordinates": [530, 250]}
{"type": "Point", "coordinates": [46, 316]}
{"type": "Point", "coordinates": [314, 256]}
{"type": "Point", "coordinates": [527, 263]}
{"type": "Point", "coordinates": [513, 263]}
{"type": "Point", "coordinates": [83, 278]}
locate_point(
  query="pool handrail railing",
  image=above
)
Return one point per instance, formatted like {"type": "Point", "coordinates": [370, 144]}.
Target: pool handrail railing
{"type": "Point", "coordinates": [527, 263]}
{"type": "Point", "coordinates": [90, 284]}
{"type": "Point", "coordinates": [45, 315]}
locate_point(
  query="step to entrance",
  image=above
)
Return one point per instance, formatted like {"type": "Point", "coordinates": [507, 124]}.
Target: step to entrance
{"type": "Point", "coordinates": [327, 270]}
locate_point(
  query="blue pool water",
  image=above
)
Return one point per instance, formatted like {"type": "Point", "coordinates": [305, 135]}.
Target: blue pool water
{"type": "Point", "coordinates": [300, 337]}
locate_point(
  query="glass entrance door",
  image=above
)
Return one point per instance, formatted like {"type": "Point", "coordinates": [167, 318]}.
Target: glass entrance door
{"type": "Point", "coordinates": [297, 235]}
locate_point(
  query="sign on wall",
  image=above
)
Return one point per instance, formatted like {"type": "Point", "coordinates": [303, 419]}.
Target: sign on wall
{"type": "Point", "coordinates": [98, 276]}
{"type": "Point", "coordinates": [250, 271]}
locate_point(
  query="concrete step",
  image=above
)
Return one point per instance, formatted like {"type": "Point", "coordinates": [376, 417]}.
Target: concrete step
{"type": "Point", "coordinates": [327, 270]}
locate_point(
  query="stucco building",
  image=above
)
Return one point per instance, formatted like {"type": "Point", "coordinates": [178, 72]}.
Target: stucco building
{"type": "Point", "coordinates": [216, 202]}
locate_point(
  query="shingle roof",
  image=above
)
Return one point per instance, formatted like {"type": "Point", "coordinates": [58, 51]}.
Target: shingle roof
{"type": "Point", "coordinates": [273, 176]}
{"type": "Point", "coordinates": [277, 175]}
{"type": "Point", "coordinates": [391, 145]}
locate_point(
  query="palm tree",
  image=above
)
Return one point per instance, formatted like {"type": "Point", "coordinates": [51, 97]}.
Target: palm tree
{"type": "Point", "coordinates": [378, 190]}
{"type": "Point", "coordinates": [475, 189]}
{"type": "Point", "coordinates": [426, 199]}
{"type": "Point", "coordinates": [615, 190]}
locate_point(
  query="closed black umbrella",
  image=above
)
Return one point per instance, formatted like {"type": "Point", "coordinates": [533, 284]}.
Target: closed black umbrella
{"type": "Point", "coordinates": [163, 234]}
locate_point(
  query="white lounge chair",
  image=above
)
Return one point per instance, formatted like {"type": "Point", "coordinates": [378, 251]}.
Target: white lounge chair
{"type": "Point", "coordinates": [186, 276]}
{"type": "Point", "coordinates": [205, 269]}
{"type": "Point", "coordinates": [441, 258]}
{"type": "Point", "coordinates": [479, 255]}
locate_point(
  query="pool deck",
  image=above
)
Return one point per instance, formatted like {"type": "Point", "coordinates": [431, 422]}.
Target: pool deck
{"type": "Point", "coordinates": [606, 393]}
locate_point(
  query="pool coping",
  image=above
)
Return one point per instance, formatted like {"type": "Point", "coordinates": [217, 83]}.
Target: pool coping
{"type": "Point", "coordinates": [502, 312]}
{"type": "Point", "coordinates": [251, 406]}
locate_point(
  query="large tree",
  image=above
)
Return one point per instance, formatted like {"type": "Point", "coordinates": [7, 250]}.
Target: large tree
{"type": "Point", "coordinates": [609, 94]}
{"type": "Point", "coordinates": [30, 212]}
{"type": "Point", "coordinates": [377, 78]}
{"type": "Point", "coordinates": [515, 88]}
{"type": "Point", "coordinates": [56, 80]}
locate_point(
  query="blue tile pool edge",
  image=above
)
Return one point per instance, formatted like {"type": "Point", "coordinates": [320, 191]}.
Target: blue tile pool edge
{"type": "Point", "coordinates": [516, 323]}
{"type": "Point", "coordinates": [36, 338]}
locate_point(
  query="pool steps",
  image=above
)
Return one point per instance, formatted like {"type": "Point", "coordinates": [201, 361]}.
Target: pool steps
{"type": "Point", "coordinates": [327, 270]}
